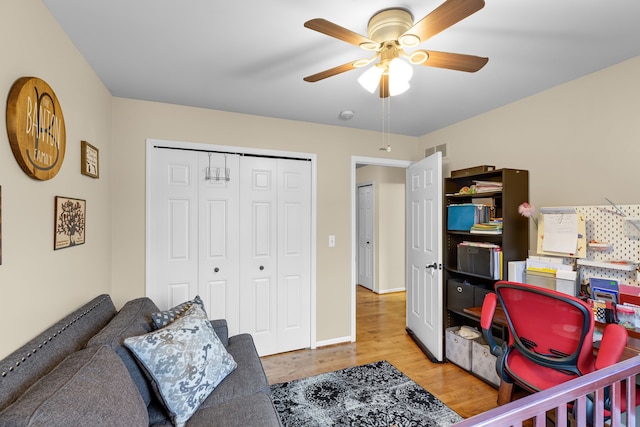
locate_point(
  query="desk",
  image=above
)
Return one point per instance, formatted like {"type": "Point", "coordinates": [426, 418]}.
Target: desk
{"type": "Point", "coordinates": [504, 391]}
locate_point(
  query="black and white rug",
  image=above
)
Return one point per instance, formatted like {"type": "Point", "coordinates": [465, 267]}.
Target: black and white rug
{"type": "Point", "coordinates": [376, 394]}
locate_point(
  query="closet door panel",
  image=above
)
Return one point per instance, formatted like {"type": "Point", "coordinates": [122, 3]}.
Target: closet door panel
{"type": "Point", "coordinates": [173, 241]}
{"type": "Point", "coordinates": [258, 272]}
{"type": "Point", "coordinates": [218, 239]}
{"type": "Point", "coordinates": [294, 254]}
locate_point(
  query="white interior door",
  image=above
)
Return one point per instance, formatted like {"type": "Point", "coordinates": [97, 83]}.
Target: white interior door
{"type": "Point", "coordinates": [243, 245]}
{"type": "Point", "coordinates": [365, 236]}
{"type": "Point", "coordinates": [258, 251]}
{"type": "Point", "coordinates": [294, 255]}
{"type": "Point", "coordinates": [424, 254]}
{"type": "Point", "coordinates": [173, 227]}
{"type": "Point", "coordinates": [219, 246]}
{"type": "Point", "coordinates": [275, 241]}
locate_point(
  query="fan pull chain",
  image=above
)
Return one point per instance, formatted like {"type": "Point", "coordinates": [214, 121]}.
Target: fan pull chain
{"type": "Point", "coordinates": [386, 124]}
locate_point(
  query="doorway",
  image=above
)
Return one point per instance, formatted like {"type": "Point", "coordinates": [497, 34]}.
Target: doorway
{"type": "Point", "coordinates": [366, 243]}
{"type": "Point", "coordinates": [355, 163]}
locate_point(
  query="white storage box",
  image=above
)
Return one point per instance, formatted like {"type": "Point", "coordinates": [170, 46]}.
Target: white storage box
{"type": "Point", "coordinates": [483, 363]}
{"type": "Point", "coordinates": [458, 348]}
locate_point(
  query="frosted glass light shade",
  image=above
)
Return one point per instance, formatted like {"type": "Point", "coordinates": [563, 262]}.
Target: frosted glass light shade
{"type": "Point", "coordinates": [400, 69]}
{"type": "Point", "coordinates": [400, 73]}
{"type": "Point", "coordinates": [396, 87]}
{"type": "Point", "coordinates": [370, 78]}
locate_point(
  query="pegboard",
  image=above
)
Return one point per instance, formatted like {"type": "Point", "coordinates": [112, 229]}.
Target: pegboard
{"type": "Point", "coordinates": [605, 224]}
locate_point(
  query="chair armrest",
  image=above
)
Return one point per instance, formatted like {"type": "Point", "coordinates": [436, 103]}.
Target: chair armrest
{"type": "Point", "coordinates": [486, 321]}
{"type": "Point", "coordinates": [614, 340]}
{"type": "Point", "coordinates": [221, 329]}
{"type": "Point", "coordinates": [488, 310]}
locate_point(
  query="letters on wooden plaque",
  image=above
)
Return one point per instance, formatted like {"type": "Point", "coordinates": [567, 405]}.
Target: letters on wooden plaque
{"type": "Point", "coordinates": [36, 129]}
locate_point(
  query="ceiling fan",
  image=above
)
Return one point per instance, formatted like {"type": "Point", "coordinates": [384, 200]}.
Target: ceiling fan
{"type": "Point", "coordinates": [390, 32]}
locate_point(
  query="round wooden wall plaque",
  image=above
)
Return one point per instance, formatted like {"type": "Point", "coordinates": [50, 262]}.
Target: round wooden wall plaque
{"type": "Point", "coordinates": [35, 126]}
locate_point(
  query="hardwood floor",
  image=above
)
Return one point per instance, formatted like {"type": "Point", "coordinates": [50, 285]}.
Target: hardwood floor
{"type": "Point", "coordinates": [381, 335]}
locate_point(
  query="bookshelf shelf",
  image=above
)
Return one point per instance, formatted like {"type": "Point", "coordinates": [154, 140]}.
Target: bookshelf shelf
{"type": "Point", "coordinates": [609, 265]}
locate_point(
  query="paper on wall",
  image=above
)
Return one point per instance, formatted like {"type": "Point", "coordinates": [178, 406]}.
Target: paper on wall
{"type": "Point", "coordinates": [560, 230]}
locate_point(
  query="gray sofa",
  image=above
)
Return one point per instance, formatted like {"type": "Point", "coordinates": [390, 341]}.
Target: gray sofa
{"type": "Point", "coordinates": [79, 373]}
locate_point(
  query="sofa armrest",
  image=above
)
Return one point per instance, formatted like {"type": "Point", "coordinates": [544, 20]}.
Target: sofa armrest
{"type": "Point", "coordinates": [221, 330]}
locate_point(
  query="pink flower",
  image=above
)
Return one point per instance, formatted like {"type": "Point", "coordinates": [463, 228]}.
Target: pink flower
{"type": "Point", "coordinates": [528, 211]}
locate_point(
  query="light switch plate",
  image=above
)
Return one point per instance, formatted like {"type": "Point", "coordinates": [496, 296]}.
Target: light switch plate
{"type": "Point", "coordinates": [332, 241]}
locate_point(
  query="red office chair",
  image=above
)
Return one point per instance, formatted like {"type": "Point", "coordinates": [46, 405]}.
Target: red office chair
{"type": "Point", "coordinates": [550, 337]}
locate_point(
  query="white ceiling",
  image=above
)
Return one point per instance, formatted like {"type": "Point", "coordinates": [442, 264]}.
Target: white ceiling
{"type": "Point", "coordinates": [249, 56]}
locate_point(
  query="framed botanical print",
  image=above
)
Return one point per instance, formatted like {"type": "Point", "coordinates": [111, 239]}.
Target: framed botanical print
{"type": "Point", "coordinates": [89, 160]}
{"type": "Point", "coordinates": [70, 222]}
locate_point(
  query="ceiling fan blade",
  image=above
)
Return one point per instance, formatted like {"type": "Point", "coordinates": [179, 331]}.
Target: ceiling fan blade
{"type": "Point", "coordinates": [454, 61]}
{"type": "Point", "coordinates": [384, 86]}
{"type": "Point", "coordinates": [448, 13]}
{"type": "Point", "coordinates": [329, 28]}
{"type": "Point", "coordinates": [331, 72]}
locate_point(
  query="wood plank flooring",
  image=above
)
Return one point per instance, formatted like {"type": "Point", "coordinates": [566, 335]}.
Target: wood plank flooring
{"type": "Point", "coordinates": [381, 335]}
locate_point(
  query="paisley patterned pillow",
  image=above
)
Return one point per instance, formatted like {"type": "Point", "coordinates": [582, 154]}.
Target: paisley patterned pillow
{"type": "Point", "coordinates": [163, 318]}
{"type": "Point", "coordinates": [185, 362]}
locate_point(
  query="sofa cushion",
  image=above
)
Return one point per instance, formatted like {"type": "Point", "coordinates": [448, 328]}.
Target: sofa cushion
{"type": "Point", "coordinates": [248, 378]}
{"type": "Point", "coordinates": [252, 410]}
{"type": "Point", "coordinates": [89, 387]}
{"type": "Point", "coordinates": [161, 319]}
{"type": "Point", "coordinates": [132, 320]}
{"type": "Point", "coordinates": [185, 361]}
{"type": "Point", "coordinates": [222, 330]}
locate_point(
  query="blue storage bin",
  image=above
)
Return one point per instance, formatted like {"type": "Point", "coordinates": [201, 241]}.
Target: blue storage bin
{"type": "Point", "coordinates": [462, 217]}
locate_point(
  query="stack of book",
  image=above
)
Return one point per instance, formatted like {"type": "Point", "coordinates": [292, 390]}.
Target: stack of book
{"type": "Point", "coordinates": [491, 227]}
{"type": "Point", "coordinates": [487, 186]}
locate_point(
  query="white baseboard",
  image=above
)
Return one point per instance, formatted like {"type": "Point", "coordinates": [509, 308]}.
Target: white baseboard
{"type": "Point", "coordinates": [340, 340]}
{"type": "Point", "coordinates": [389, 291]}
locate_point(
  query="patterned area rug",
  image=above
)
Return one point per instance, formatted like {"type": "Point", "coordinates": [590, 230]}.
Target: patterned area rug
{"type": "Point", "coordinates": [376, 394]}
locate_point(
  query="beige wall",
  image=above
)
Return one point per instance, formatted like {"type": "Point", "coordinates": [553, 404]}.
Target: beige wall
{"type": "Point", "coordinates": [134, 121]}
{"type": "Point", "coordinates": [40, 285]}
{"type": "Point", "coordinates": [580, 141]}
{"type": "Point", "coordinates": [389, 225]}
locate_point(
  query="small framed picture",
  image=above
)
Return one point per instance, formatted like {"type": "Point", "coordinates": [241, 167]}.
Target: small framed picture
{"type": "Point", "coordinates": [89, 160]}
{"type": "Point", "coordinates": [70, 222]}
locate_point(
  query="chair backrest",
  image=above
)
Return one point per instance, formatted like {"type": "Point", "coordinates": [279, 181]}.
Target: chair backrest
{"type": "Point", "coordinates": [548, 327]}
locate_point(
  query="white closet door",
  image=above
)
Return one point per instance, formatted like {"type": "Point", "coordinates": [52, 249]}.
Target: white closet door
{"type": "Point", "coordinates": [258, 252]}
{"type": "Point", "coordinates": [219, 248]}
{"type": "Point", "coordinates": [244, 245]}
{"type": "Point", "coordinates": [174, 225]}
{"type": "Point", "coordinates": [294, 255]}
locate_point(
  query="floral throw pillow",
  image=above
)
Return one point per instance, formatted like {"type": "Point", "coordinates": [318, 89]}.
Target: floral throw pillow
{"type": "Point", "coordinates": [185, 361]}
{"type": "Point", "coordinates": [163, 318]}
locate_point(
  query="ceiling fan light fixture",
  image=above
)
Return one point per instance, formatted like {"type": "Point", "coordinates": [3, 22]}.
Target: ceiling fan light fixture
{"type": "Point", "coordinates": [400, 70]}
{"type": "Point", "coordinates": [369, 46]}
{"type": "Point", "coordinates": [362, 63]}
{"type": "Point", "coordinates": [418, 57]}
{"type": "Point", "coordinates": [409, 40]}
{"type": "Point", "coordinates": [389, 24]}
{"type": "Point", "coordinates": [400, 73]}
{"type": "Point", "coordinates": [370, 78]}
{"type": "Point", "coordinates": [398, 87]}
